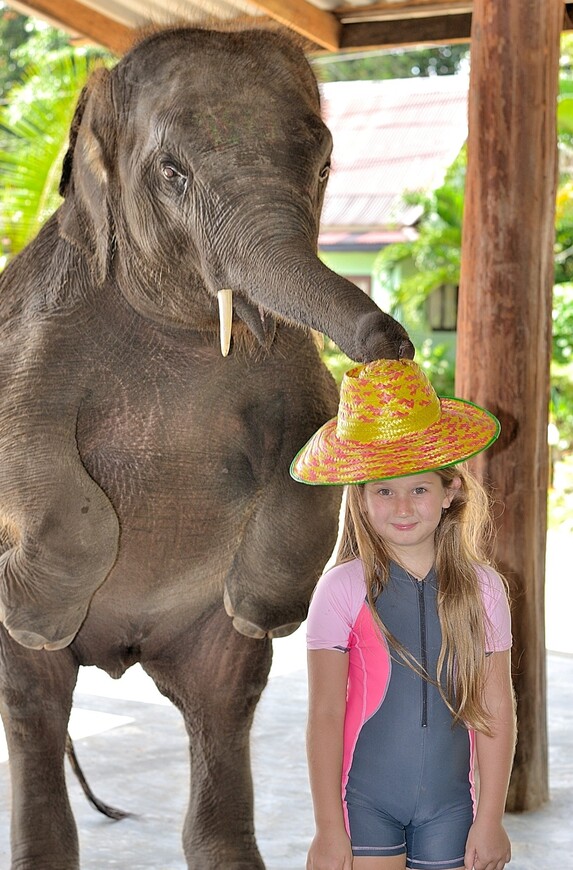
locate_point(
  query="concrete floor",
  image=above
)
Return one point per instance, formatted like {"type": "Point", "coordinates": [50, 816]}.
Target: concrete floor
{"type": "Point", "coordinates": [132, 746]}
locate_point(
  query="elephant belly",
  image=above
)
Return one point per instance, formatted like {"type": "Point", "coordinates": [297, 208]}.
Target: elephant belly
{"type": "Point", "coordinates": [206, 507]}
{"type": "Point", "coordinates": [180, 516]}
{"type": "Point", "coordinates": [182, 519]}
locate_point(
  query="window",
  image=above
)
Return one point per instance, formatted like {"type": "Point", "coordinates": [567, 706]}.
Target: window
{"type": "Point", "coordinates": [442, 308]}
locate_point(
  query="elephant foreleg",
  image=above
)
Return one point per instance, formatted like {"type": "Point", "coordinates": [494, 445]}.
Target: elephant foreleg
{"type": "Point", "coordinates": [58, 541]}
{"type": "Point", "coordinates": [284, 549]}
{"type": "Point", "coordinates": [36, 691]}
{"type": "Point", "coordinates": [216, 680]}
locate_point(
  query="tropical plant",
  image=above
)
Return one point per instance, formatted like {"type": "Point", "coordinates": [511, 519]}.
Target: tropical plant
{"type": "Point", "coordinates": [34, 127]}
{"type": "Point", "coordinates": [416, 268]}
{"type": "Point", "coordinates": [561, 405]}
{"type": "Point", "coordinates": [13, 32]}
{"type": "Point", "coordinates": [392, 63]}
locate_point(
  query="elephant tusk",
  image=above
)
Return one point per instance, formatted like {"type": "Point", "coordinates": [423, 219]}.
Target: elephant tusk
{"type": "Point", "coordinates": [318, 340]}
{"type": "Point", "coordinates": [225, 299]}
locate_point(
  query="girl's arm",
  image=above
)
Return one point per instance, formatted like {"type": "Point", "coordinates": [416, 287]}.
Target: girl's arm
{"type": "Point", "coordinates": [327, 678]}
{"type": "Point", "coordinates": [488, 846]}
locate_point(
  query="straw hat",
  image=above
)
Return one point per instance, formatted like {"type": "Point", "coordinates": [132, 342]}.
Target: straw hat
{"type": "Point", "coordinates": [391, 423]}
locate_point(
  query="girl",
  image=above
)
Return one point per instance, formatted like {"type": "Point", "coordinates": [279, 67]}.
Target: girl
{"type": "Point", "coordinates": [408, 636]}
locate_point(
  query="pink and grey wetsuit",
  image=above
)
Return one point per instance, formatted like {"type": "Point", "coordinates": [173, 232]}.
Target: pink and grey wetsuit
{"type": "Point", "coordinates": [407, 780]}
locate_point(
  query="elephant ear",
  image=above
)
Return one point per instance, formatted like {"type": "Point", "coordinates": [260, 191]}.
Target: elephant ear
{"type": "Point", "coordinates": [84, 217]}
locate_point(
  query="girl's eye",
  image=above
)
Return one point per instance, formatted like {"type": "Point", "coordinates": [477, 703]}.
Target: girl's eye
{"type": "Point", "coordinates": [383, 492]}
{"type": "Point", "coordinates": [420, 490]}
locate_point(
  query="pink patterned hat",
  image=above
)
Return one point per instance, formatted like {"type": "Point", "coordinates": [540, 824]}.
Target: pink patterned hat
{"type": "Point", "coordinates": [391, 423]}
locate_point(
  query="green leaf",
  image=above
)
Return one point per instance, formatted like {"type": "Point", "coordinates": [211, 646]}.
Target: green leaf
{"type": "Point", "coordinates": [34, 128]}
{"type": "Point", "coordinates": [565, 114]}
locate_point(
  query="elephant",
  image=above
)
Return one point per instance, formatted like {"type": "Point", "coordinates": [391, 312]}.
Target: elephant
{"type": "Point", "coordinates": [159, 370]}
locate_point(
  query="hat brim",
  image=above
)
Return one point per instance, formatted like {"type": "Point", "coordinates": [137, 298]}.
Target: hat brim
{"type": "Point", "coordinates": [463, 430]}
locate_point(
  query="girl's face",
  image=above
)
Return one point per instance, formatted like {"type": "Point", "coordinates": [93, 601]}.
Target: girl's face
{"type": "Point", "coordinates": [405, 511]}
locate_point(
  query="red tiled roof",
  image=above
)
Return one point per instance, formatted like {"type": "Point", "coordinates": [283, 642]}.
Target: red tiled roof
{"type": "Point", "coordinates": [390, 137]}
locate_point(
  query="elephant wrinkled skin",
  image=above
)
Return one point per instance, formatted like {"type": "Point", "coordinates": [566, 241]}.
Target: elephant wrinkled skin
{"type": "Point", "coordinates": [146, 509]}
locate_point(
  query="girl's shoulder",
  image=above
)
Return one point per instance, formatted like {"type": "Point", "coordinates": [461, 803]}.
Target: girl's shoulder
{"type": "Point", "coordinates": [335, 604]}
{"type": "Point", "coordinates": [491, 583]}
{"type": "Point", "coordinates": [496, 605]}
{"type": "Point", "coordinates": [344, 580]}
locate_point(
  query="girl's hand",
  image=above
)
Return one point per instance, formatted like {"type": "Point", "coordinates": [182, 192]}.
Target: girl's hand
{"type": "Point", "coordinates": [487, 847]}
{"type": "Point", "coordinates": [330, 851]}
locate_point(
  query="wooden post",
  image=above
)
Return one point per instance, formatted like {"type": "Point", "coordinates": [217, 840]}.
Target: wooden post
{"type": "Point", "coordinates": [504, 321]}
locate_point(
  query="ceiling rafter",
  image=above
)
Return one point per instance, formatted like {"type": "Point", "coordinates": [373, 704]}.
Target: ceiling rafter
{"type": "Point", "coordinates": [403, 9]}
{"type": "Point", "coordinates": [322, 28]}
{"type": "Point", "coordinates": [75, 17]}
{"type": "Point", "coordinates": [379, 25]}
{"type": "Point", "coordinates": [407, 31]}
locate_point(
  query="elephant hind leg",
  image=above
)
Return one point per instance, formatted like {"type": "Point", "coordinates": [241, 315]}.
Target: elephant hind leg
{"type": "Point", "coordinates": [215, 676]}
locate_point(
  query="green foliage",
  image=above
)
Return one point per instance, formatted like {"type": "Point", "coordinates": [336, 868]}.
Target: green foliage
{"type": "Point", "coordinates": [440, 369]}
{"type": "Point", "coordinates": [564, 235]}
{"type": "Point", "coordinates": [432, 358]}
{"type": "Point", "coordinates": [34, 129]}
{"type": "Point", "coordinates": [22, 40]}
{"type": "Point", "coordinates": [565, 112]}
{"type": "Point", "coordinates": [434, 258]}
{"type": "Point", "coordinates": [561, 403]}
{"type": "Point", "coordinates": [336, 361]}
{"type": "Point", "coordinates": [392, 64]}
{"type": "Point", "coordinates": [563, 324]}
{"type": "Point", "coordinates": [12, 33]}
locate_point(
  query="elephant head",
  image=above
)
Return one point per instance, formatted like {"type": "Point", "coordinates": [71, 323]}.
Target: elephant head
{"type": "Point", "coordinates": [218, 137]}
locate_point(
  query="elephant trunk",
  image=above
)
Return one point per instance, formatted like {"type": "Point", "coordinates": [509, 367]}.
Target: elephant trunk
{"type": "Point", "coordinates": [301, 289]}
{"type": "Point", "coordinates": [266, 254]}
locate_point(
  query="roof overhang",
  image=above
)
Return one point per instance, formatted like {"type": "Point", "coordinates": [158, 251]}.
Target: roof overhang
{"type": "Point", "coordinates": [329, 26]}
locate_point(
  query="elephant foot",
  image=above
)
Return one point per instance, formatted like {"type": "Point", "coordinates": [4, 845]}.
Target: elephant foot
{"type": "Point", "coordinates": [250, 629]}
{"type": "Point", "coordinates": [36, 641]}
{"type": "Point", "coordinates": [33, 629]}
{"type": "Point", "coordinates": [35, 615]}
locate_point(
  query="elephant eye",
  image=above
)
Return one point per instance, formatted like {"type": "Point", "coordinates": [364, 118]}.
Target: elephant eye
{"type": "Point", "coordinates": [169, 171]}
{"type": "Point", "coordinates": [173, 174]}
{"type": "Point", "coordinates": [324, 172]}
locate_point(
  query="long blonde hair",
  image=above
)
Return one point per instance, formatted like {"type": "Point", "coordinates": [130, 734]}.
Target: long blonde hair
{"type": "Point", "coordinates": [462, 540]}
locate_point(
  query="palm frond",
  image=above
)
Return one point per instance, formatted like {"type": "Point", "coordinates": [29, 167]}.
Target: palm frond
{"type": "Point", "coordinates": [34, 128]}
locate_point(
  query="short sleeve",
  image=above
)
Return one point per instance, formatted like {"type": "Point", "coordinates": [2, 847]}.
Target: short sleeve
{"type": "Point", "coordinates": [498, 622]}
{"type": "Point", "coordinates": [334, 607]}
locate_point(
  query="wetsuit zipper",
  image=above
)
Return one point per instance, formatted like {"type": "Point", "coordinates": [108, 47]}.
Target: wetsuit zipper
{"type": "Point", "coordinates": [423, 650]}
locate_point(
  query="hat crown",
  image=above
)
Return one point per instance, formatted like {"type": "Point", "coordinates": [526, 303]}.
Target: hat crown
{"type": "Point", "coordinates": [391, 423]}
{"type": "Point", "coordinates": [385, 400]}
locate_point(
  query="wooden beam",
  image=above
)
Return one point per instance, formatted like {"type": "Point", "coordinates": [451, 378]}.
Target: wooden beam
{"type": "Point", "coordinates": [504, 322]}
{"type": "Point", "coordinates": [74, 17]}
{"type": "Point", "coordinates": [319, 27]}
{"type": "Point", "coordinates": [411, 22]}
{"type": "Point", "coordinates": [405, 9]}
{"type": "Point", "coordinates": [408, 31]}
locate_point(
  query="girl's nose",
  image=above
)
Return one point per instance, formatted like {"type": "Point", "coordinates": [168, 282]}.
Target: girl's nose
{"type": "Point", "coordinates": [404, 506]}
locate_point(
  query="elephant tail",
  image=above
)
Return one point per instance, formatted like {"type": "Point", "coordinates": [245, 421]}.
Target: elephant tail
{"type": "Point", "coordinates": [110, 812]}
